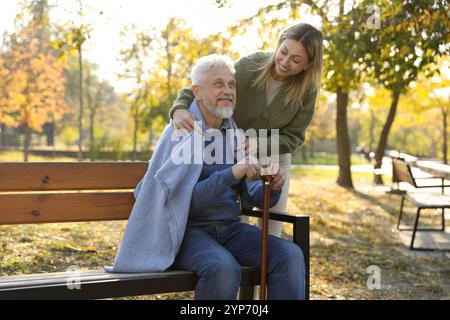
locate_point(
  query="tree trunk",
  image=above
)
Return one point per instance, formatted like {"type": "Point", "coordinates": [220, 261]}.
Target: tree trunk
{"type": "Point", "coordinates": [26, 144]}
{"type": "Point", "coordinates": [2, 135]}
{"type": "Point", "coordinates": [80, 118]}
{"type": "Point", "coordinates": [90, 107]}
{"type": "Point", "coordinates": [444, 127]}
{"type": "Point", "coordinates": [343, 142]}
{"type": "Point", "coordinates": [52, 136]}
{"type": "Point", "coordinates": [169, 60]}
{"type": "Point", "coordinates": [49, 129]}
{"type": "Point", "coordinates": [311, 147]}
{"type": "Point", "coordinates": [384, 136]}
{"type": "Point", "coordinates": [150, 138]}
{"type": "Point", "coordinates": [434, 153]}
{"type": "Point", "coordinates": [91, 135]}
{"type": "Point", "coordinates": [371, 130]}
{"type": "Point", "coordinates": [304, 154]}
{"type": "Point", "coordinates": [134, 155]}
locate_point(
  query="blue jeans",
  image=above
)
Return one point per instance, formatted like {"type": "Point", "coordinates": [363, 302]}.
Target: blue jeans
{"type": "Point", "coordinates": [216, 254]}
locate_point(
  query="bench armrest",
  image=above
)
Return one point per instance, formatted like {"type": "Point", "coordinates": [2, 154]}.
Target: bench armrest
{"type": "Point", "coordinates": [433, 177]}
{"type": "Point", "coordinates": [300, 224]}
{"type": "Point", "coordinates": [442, 186]}
{"type": "Point", "coordinates": [275, 215]}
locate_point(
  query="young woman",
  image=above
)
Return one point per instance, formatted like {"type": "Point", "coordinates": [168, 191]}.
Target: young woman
{"type": "Point", "coordinates": [274, 91]}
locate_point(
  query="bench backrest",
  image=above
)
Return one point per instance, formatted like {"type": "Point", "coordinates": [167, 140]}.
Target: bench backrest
{"type": "Point", "coordinates": [402, 172]}
{"type": "Point", "coordinates": [41, 192]}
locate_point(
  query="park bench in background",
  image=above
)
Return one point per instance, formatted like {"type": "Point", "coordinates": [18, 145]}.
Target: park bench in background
{"type": "Point", "coordinates": [422, 200]}
{"type": "Point", "coordinates": [433, 167]}
{"type": "Point", "coordinates": [395, 154]}
{"type": "Point", "coordinates": [107, 195]}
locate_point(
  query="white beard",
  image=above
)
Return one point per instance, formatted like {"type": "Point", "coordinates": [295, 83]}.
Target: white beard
{"type": "Point", "coordinates": [220, 112]}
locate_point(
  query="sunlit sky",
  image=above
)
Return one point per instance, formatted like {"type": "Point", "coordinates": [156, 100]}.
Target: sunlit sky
{"type": "Point", "coordinates": [204, 16]}
{"type": "Point", "coordinates": [107, 17]}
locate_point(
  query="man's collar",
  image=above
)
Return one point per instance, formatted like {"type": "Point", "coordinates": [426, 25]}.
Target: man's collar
{"type": "Point", "coordinates": [226, 124]}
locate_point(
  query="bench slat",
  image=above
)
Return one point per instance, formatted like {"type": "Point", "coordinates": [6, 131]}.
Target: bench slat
{"type": "Point", "coordinates": [61, 278]}
{"type": "Point", "coordinates": [39, 276]}
{"type": "Point", "coordinates": [99, 284]}
{"type": "Point", "coordinates": [65, 207]}
{"type": "Point", "coordinates": [40, 176]}
{"type": "Point", "coordinates": [429, 200]}
{"type": "Point", "coordinates": [44, 206]}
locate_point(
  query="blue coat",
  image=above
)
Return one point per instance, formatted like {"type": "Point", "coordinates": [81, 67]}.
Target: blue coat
{"type": "Point", "coordinates": [158, 219]}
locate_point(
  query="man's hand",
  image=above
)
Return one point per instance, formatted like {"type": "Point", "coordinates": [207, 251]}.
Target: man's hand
{"type": "Point", "coordinates": [183, 119]}
{"type": "Point", "coordinates": [246, 170]}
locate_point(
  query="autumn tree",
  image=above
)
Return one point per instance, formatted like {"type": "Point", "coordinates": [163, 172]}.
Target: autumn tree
{"type": "Point", "coordinates": [410, 38]}
{"type": "Point", "coordinates": [71, 39]}
{"type": "Point", "coordinates": [159, 63]}
{"type": "Point", "coordinates": [134, 60]}
{"type": "Point", "coordinates": [177, 49]}
{"type": "Point", "coordinates": [428, 100]}
{"type": "Point", "coordinates": [33, 81]}
{"type": "Point", "coordinates": [322, 127]}
{"type": "Point", "coordinates": [6, 109]}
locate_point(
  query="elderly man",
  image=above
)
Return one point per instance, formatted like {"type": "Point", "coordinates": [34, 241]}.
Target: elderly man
{"type": "Point", "coordinates": [215, 242]}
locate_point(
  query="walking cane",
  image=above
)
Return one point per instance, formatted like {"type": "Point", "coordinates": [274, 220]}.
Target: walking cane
{"type": "Point", "coordinates": [267, 178]}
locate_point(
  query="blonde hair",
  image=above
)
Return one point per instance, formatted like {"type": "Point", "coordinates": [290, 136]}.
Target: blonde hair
{"type": "Point", "coordinates": [311, 38]}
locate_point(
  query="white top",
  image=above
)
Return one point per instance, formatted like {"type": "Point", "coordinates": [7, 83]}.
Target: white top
{"type": "Point", "coordinates": [272, 89]}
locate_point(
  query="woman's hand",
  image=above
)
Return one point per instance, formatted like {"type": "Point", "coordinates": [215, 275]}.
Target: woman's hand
{"type": "Point", "coordinates": [183, 119]}
{"type": "Point", "coordinates": [273, 169]}
{"type": "Point", "coordinates": [277, 181]}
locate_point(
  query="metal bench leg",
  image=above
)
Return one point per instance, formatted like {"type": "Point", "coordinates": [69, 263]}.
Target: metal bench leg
{"type": "Point", "coordinates": [246, 293]}
{"type": "Point", "coordinates": [400, 213]}
{"type": "Point", "coordinates": [416, 223]}
{"type": "Point", "coordinates": [301, 238]}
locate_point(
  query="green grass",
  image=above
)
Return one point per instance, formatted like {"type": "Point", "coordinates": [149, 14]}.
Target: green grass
{"type": "Point", "coordinates": [326, 159]}
{"type": "Point", "coordinates": [331, 175]}
{"type": "Point", "coordinates": [319, 159]}
{"type": "Point", "coordinates": [16, 156]}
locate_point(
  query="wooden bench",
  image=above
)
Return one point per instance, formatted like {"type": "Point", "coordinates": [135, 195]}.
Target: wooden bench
{"type": "Point", "coordinates": [107, 194]}
{"type": "Point", "coordinates": [421, 200]}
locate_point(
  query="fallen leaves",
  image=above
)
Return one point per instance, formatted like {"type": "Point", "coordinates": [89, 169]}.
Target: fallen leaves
{"type": "Point", "coordinates": [74, 247]}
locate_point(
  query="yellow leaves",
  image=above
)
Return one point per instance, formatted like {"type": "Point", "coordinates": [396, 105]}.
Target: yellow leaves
{"type": "Point", "coordinates": [33, 85]}
{"type": "Point", "coordinates": [37, 64]}
{"type": "Point", "coordinates": [4, 72]}
{"type": "Point", "coordinates": [404, 50]}
{"type": "Point", "coordinates": [17, 99]}
{"type": "Point", "coordinates": [74, 247]}
{"type": "Point", "coordinates": [389, 29]}
{"type": "Point", "coordinates": [73, 51]}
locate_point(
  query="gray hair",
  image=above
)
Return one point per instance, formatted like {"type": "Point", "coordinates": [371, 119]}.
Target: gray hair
{"type": "Point", "coordinates": [208, 62]}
